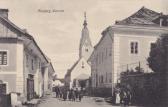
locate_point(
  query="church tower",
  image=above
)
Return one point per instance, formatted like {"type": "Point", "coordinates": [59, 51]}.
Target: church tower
{"type": "Point", "coordinates": [85, 48]}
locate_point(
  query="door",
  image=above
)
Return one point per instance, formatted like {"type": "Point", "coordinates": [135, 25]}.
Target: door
{"type": "Point", "coordinates": [30, 89]}
{"type": "Point", "coordinates": [2, 88]}
{"type": "Point", "coordinates": [5, 99]}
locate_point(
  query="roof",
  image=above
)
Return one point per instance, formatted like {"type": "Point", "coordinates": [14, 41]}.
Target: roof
{"type": "Point", "coordinates": [143, 16]}
{"type": "Point", "coordinates": [73, 66]}
{"type": "Point", "coordinates": [25, 34]}
{"type": "Point", "coordinates": [103, 35]}
{"type": "Point", "coordinates": [85, 36]}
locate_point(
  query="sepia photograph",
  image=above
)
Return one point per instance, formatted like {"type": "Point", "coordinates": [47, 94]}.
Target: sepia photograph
{"type": "Point", "coordinates": [83, 53]}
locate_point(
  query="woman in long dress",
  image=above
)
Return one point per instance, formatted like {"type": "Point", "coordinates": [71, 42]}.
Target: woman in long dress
{"type": "Point", "coordinates": [117, 97]}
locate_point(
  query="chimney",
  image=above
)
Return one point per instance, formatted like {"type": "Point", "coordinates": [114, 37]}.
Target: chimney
{"type": "Point", "coordinates": [4, 13]}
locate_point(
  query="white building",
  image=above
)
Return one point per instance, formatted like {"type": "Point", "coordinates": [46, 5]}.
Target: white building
{"type": "Point", "coordinates": [81, 69]}
{"type": "Point", "coordinates": [24, 68]}
{"type": "Point", "coordinates": [124, 45]}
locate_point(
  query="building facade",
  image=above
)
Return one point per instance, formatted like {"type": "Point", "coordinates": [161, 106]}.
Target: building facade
{"type": "Point", "coordinates": [125, 46]}
{"type": "Point", "coordinates": [24, 69]}
{"type": "Point", "coordinates": [81, 69]}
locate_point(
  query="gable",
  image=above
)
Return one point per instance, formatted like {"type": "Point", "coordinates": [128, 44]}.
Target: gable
{"type": "Point", "coordinates": [82, 67]}
{"type": "Point", "coordinates": [107, 37]}
{"type": "Point", "coordinates": [6, 30]}
{"type": "Point", "coordinates": [10, 30]}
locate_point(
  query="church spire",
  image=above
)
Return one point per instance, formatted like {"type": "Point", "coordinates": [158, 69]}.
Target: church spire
{"type": "Point", "coordinates": [85, 48]}
{"type": "Point", "coordinates": [85, 22]}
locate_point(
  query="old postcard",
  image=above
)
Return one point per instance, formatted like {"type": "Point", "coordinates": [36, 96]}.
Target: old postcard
{"type": "Point", "coordinates": [83, 53]}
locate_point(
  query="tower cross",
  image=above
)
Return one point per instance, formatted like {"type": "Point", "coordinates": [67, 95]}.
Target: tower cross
{"type": "Point", "coordinates": [85, 22]}
{"type": "Point", "coordinates": [85, 15]}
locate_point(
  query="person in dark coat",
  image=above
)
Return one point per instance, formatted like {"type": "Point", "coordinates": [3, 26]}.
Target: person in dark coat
{"type": "Point", "coordinates": [76, 93]}
{"type": "Point", "coordinates": [57, 91]}
{"type": "Point", "coordinates": [70, 95]}
{"type": "Point", "coordinates": [80, 95]}
{"type": "Point", "coordinates": [114, 97]}
{"type": "Point", "coordinates": [64, 92]}
{"type": "Point", "coordinates": [128, 99]}
{"type": "Point", "coordinates": [73, 95]}
{"type": "Point", "coordinates": [121, 96]}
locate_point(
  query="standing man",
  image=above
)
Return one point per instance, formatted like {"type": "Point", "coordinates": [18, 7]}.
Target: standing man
{"type": "Point", "coordinates": [57, 91]}
{"type": "Point", "coordinates": [76, 93]}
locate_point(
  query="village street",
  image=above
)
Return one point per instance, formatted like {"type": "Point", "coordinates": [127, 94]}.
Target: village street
{"type": "Point", "coordinates": [86, 102]}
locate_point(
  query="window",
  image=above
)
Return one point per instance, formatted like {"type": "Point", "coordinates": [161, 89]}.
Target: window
{"type": "Point", "coordinates": [3, 57]}
{"type": "Point", "coordinates": [106, 77]}
{"type": "Point", "coordinates": [110, 80]}
{"type": "Point", "coordinates": [110, 51]}
{"type": "Point", "coordinates": [97, 59]}
{"type": "Point", "coordinates": [99, 79]}
{"type": "Point", "coordinates": [102, 56]}
{"type": "Point", "coordinates": [27, 60]}
{"type": "Point", "coordinates": [102, 79]}
{"type": "Point", "coordinates": [106, 52]}
{"type": "Point", "coordinates": [96, 80]}
{"type": "Point", "coordinates": [134, 47]}
{"type": "Point", "coordinates": [32, 64]}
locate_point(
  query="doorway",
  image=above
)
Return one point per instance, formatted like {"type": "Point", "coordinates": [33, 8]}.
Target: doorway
{"type": "Point", "coordinates": [30, 87]}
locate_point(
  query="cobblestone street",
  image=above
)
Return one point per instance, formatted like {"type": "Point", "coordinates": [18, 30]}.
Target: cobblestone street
{"type": "Point", "coordinates": [86, 102]}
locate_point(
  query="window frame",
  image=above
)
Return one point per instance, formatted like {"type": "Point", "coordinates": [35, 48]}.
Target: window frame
{"type": "Point", "coordinates": [7, 52]}
{"type": "Point", "coordinates": [134, 47]}
{"type": "Point", "coordinates": [32, 64]}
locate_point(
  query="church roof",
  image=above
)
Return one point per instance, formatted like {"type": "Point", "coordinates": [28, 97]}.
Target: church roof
{"type": "Point", "coordinates": [85, 36]}
{"type": "Point", "coordinates": [70, 70]}
{"type": "Point", "coordinates": [143, 16]}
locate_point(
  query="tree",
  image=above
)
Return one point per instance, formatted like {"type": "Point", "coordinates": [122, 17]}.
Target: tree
{"type": "Point", "coordinates": [157, 59]}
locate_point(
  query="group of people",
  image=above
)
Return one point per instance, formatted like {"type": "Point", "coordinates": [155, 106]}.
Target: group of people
{"type": "Point", "coordinates": [73, 94]}
{"type": "Point", "coordinates": [122, 96]}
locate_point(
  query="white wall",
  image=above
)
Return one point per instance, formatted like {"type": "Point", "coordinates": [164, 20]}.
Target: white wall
{"type": "Point", "coordinates": [19, 64]}
{"type": "Point", "coordinates": [123, 56]}
{"type": "Point", "coordinates": [79, 70]}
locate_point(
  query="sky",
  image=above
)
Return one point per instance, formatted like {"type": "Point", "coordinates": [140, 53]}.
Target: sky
{"type": "Point", "coordinates": [58, 33]}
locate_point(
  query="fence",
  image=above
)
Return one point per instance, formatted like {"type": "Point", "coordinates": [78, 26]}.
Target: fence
{"type": "Point", "coordinates": [147, 88]}
{"type": "Point", "coordinates": [134, 67]}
